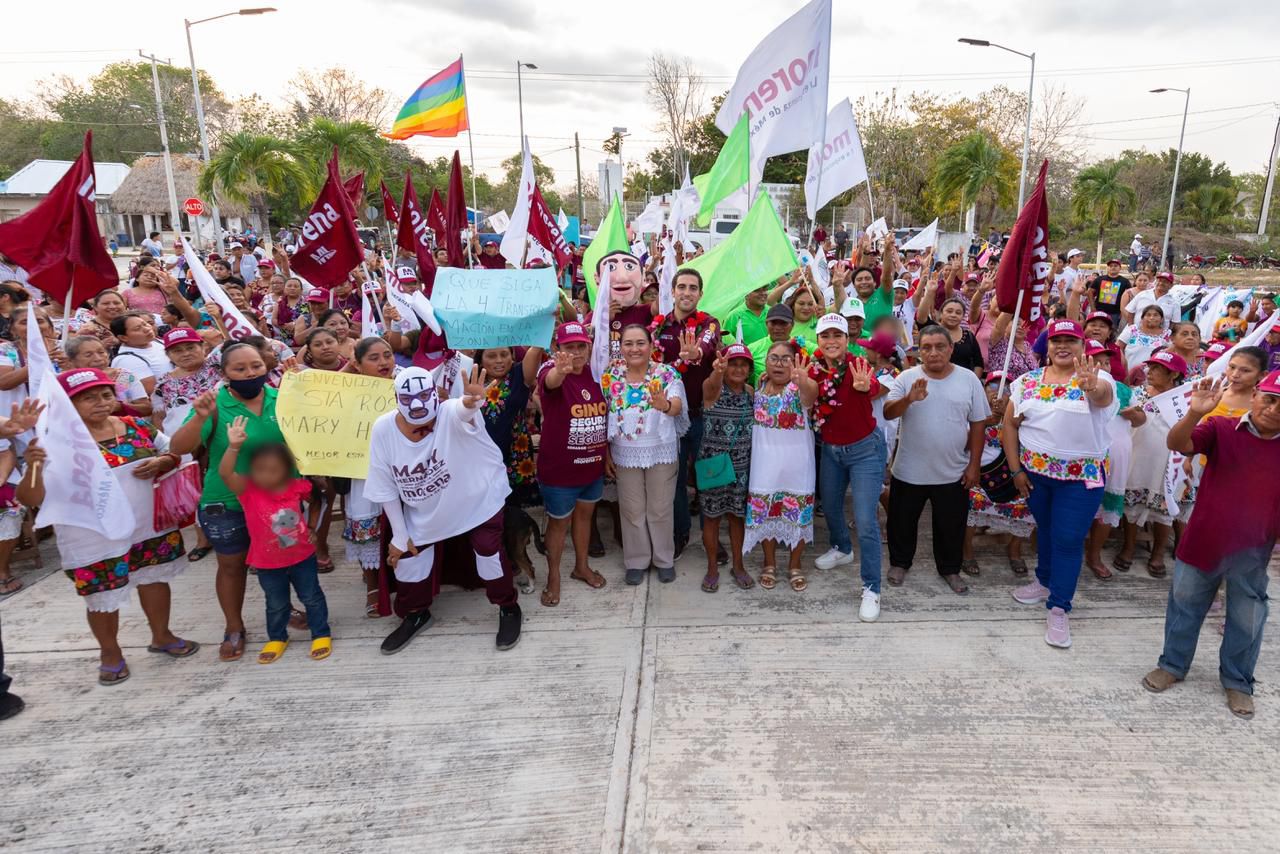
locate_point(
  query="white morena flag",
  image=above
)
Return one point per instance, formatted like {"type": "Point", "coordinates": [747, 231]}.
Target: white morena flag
{"type": "Point", "coordinates": [562, 220]}
{"type": "Point", "coordinates": [238, 326]}
{"type": "Point", "coordinates": [601, 343]}
{"type": "Point", "coordinates": [922, 241]}
{"type": "Point", "coordinates": [421, 306]}
{"type": "Point", "coordinates": [684, 206]}
{"type": "Point", "coordinates": [397, 297]}
{"type": "Point", "coordinates": [783, 86]}
{"type": "Point", "coordinates": [38, 362]}
{"type": "Point", "coordinates": [666, 275]}
{"type": "Point", "coordinates": [517, 231]}
{"type": "Point", "coordinates": [499, 222]}
{"type": "Point", "coordinates": [368, 323]}
{"type": "Point", "coordinates": [878, 229]}
{"type": "Point", "coordinates": [650, 219]}
{"type": "Point", "coordinates": [840, 157]}
{"type": "Point", "coordinates": [80, 489]}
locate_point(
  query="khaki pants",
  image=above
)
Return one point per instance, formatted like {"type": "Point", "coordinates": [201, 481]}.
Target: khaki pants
{"type": "Point", "coordinates": [646, 503]}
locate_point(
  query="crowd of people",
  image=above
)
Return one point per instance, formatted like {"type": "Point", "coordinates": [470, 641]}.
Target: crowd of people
{"type": "Point", "coordinates": [894, 382]}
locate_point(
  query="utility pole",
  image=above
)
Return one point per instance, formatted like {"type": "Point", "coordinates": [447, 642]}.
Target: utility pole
{"type": "Point", "coordinates": [175, 221]}
{"type": "Point", "coordinates": [577, 160]}
{"type": "Point", "coordinates": [1271, 182]}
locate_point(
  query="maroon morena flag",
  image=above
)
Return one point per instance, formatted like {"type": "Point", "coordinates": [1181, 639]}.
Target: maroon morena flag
{"type": "Point", "coordinates": [435, 215]}
{"type": "Point", "coordinates": [58, 241]}
{"type": "Point", "coordinates": [412, 235]}
{"type": "Point", "coordinates": [544, 229]}
{"type": "Point", "coordinates": [455, 215]}
{"type": "Point", "coordinates": [1024, 265]}
{"type": "Point", "coordinates": [355, 190]}
{"type": "Point", "coordinates": [331, 248]}
{"type": "Point", "coordinates": [388, 204]}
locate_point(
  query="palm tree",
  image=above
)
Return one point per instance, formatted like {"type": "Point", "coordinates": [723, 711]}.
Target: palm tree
{"type": "Point", "coordinates": [1210, 203]}
{"type": "Point", "coordinates": [974, 170]}
{"type": "Point", "coordinates": [1099, 195]}
{"type": "Point", "coordinates": [358, 144]}
{"type": "Point", "coordinates": [250, 167]}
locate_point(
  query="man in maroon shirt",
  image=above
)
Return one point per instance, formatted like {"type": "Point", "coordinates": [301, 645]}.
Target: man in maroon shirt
{"type": "Point", "coordinates": [1228, 539]}
{"type": "Point", "coordinates": [686, 339]}
{"type": "Point", "coordinates": [489, 257]}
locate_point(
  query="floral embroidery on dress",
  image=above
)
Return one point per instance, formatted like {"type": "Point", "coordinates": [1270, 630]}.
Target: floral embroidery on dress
{"type": "Point", "coordinates": [108, 574]}
{"type": "Point", "coordinates": [1091, 470]}
{"type": "Point", "coordinates": [132, 445]}
{"type": "Point", "coordinates": [1035, 388]}
{"type": "Point", "coordinates": [780, 411]}
{"type": "Point", "coordinates": [362, 530]}
{"type": "Point", "coordinates": [159, 549]}
{"type": "Point", "coordinates": [794, 507]}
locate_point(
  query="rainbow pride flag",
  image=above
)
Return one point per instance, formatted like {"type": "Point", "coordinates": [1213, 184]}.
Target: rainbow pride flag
{"type": "Point", "coordinates": [438, 108]}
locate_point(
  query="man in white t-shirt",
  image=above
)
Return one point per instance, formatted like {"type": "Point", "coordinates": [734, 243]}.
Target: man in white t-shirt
{"type": "Point", "coordinates": [437, 474]}
{"type": "Point", "coordinates": [1135, 250]}
{"type": "Point", "coordinates": [943, 410]}
{"type": "Point", "coordinates": [1157, 296]}
{"type": "Point", "coordinates": [1067, 278]}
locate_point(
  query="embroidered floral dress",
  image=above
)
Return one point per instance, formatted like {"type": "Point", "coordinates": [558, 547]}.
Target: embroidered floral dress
{"type": "Point", "coordinates": [1144, 499]}
{"type": "Point", "coordinates": [726, 429]}
{"type": "Point", "coordinates": [1056, 412]}
{"type": "Point", "coordinates": [1013, 517]}
{"type": "Point", "coordinates": [505, 410]}
{"type": "Point", "coordinates": [639, 435]}
{"type": "Point", "coordinates": [781, 484]}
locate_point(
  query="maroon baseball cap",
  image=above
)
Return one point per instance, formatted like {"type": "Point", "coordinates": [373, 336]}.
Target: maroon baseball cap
{"type": "Point", "coordinates": [1215, 350]}
{"type": "Point", "coordinates": [881, 343]}
{"type": "Point", "coordinates": [83, 379]}
{"type": "Point", "coordinates": [1067, 328]}
{"type": "Point", "coordinates": [572, 331]}
{"type": "Point", "coordinates": [1270, 383]}
{"type": "Point", "coordinates": [973, 277]}
{"type": "Point", "coordinates": [1168, 277]}
{"type": "Point", "coordinates": [1095, 348]}
{"type": "Point", "coordinates": [1101, 315]}
{"type": "Point", "coordinates": [1170, 360]}
{"type": "Point", "coordinates": [317, 295]}
{"type": "Point", "coordinates": [181, 335]}
{"type": "Point", "coordinates": [738, 351]}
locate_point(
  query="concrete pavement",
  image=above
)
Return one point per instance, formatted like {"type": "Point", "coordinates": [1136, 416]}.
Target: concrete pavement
{"type": "Point", "coordinates": [656, 718]}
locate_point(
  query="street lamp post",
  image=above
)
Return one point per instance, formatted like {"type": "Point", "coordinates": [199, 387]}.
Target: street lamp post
{"type": "Point", "coordinates": [1031, 93]}
{"type": "Point", "coordinates": [520, 93]}
{"type": "Point", "coordinates": [175, 221]}
{"type": "Point", "coordinates": [195, 87]}
{"type": "Point", "coordinates": [1177, 164]}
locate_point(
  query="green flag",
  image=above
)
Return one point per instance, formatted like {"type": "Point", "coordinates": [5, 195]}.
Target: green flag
{"type": "Point", "coordinates": [757, 252]}
{"type": "Point", "coordinates": [731, 171]}
{"type": "Point", "coordinates": [610, 237]}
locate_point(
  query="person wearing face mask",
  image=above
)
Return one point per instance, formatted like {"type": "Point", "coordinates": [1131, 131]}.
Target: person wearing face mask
{"type": "Point", "coordinates": [247, 394]}
{"type": "Point", "coordinates": [437, 474]}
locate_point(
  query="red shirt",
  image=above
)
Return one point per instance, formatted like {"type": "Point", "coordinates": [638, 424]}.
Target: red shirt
{"type": "Point", "coordinates": [666, 339]}
{"type": "Point", "coordinates": [574, 429]}
{"type": "Point", "coordinates": [1238, 504]}
{"type": "Point", "coordinates": [492, 262]}
{"type": "Point", "coordinates": [852, 419]}
{"type": "Point", "coordinates": [277, 525]}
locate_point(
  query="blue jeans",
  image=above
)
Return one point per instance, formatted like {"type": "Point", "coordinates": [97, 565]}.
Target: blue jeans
{"type": "Point", "coordinates": [1191, 594]}
{"type": "Point", "coordinates": [306, 583]}
{"type": "Point", "coordinates": [689, 444]}
{"type": "Point", "coordinates": [1064, 511]}
{"type": "Point", "coordinates": [862, 465]}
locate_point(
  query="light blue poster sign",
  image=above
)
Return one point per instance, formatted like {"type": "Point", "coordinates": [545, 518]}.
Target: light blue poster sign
{"type": "Point", "coordinates": [496, 308]}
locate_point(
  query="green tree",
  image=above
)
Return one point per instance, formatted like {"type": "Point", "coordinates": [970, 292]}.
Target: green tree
{"type": "Point", "coordinates": [1100, 195]}
{"type": "Point", "coordinates": [358, 146]}
{"type": "Point", "coordinates": [1209, 204]}
{"type": "Point", "coordinates": [975, 171]}
{"type": "Point", "coordinates": [506, 190]}
{"type": "Point", "coordinates": [251, 168]}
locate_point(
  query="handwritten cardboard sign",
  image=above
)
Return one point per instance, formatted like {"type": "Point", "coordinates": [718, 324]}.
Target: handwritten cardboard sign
{"type": "Point", "coordinates": [495, 308]}
{"type": "Point", "coordinates": [326, 418]}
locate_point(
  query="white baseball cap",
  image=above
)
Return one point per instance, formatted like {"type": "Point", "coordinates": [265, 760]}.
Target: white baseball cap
{"type": "Point", "coordinates": [834, 321]}
{"type": "Point", "coordinates": [235, 244]}
{"type": "Point", "coordinates": [852, 308]}
{"type": "Point", "coordinates": [1073, 253]}
{"type": "Point", "coordinates": [901, 284]}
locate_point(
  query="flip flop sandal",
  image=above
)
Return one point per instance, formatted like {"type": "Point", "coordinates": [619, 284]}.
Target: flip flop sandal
{"type": "Point", "coordinates": [1157, 570]}
{"type": "Point", "coordinates": [199, 553]}
{"type": "Point", "coordinates": [796, 578]}
{"type": "Point", "coordinates": [590, 580]}
{"type": "Point", "coordinates": [10, 586]}
{"type": "Point", "coordinates": [743, 580]}
{"type": "Point", "coordinates": [1121, 564]}
{"type": "Point", "coordinates": [711, 583]}
{"type": "Point", "coordinates": [371, 608]}
{"type": "Point", "coordinates": [956, 584]}
{"type": "Point", "coordinates": [113, 675]}
{"type": "Point", "coordinates": [768, 577]}
{"type": "Point", "coordinates": [1101, 572]}
{"type": "Point", "coordinates": [271, 651]}
{"type": "Point", "coordinates": [896, 576]}
{"type": "Point", "coordinates": [320, 648]}
{"type": "Point", "coordinates": [970, 567]}
{"type": "Point", "coordinates": [1019, 567]}
{"type": "Point", "coordinates": [547, 600]}
{"type": "Point", "coordinates": [237, 641]}
{"type": "Point", "coordinates": [178, 649]}
{"type": "Point", "coordinates": [324, 567]}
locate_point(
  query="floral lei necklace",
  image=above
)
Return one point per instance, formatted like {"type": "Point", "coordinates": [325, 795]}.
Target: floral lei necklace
{"type": "Point", "coordinates": [691, 324]}
{"type": "Point", "coordinates": [830, 382]}
{"type": "Point", "coordinates": [624, 394]}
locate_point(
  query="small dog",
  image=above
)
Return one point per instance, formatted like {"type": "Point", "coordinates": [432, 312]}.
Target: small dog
{"type": "Point", "coordinates": [517, 529]}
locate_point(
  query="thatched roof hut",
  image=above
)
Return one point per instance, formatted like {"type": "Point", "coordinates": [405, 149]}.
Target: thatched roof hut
{"type": "Point", "coordinates": [145, 191]}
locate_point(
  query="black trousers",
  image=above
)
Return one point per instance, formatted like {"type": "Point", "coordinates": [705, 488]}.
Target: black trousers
{"type": "Point", "coordinates": [950, 515]}
{"type": "Point", "coordinates": [4, 680]}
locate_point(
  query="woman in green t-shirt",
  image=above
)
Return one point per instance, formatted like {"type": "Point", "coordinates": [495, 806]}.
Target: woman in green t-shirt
{"type": "Point", "coordinates": [245, 393]}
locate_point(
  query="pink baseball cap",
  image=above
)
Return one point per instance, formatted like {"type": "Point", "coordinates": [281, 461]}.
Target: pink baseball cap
{"type": "Point", "coordinates": [1168, 277]}
{"type": "Point", "coordinates": [1100, 315]}
{"type": "Point", "coordinates": [1216, 349]}
{"type": "Point", "coordinates": [181, 335]}
{"type": "Point", "coordinates": [1270, 383]}
{"type": "Point", "coordinates": [738, 351]}
{"type": "Point", "coordinates": [572, 331]}
{"type": "Point", "coordinates": [317, 295]}
{"type": "Point", "coordinates": [1095, 348]}
{"type": "Point", "coordinates": [83, 379]}
{"type": "Point", "coordinates": [881, 343]}
{"type": "Point", "coordinates": [1170, 360]}
{"type": "Point", "coordinates": [973, 277]}
{"type": "Point", "coordinates": [1068, 328]}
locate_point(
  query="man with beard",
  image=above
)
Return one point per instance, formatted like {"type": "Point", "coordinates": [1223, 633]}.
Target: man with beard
{"type": "Point", "coordinates": [437, 474]}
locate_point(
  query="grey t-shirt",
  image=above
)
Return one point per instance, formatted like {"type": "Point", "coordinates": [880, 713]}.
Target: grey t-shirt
{"type": "Point", "coordinates": [933, 434]}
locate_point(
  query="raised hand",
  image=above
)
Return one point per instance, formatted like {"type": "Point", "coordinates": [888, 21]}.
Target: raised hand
{"type": "Point", "coordinates": [473, 388]}
{"type": "Point", "coordinates": [237, 432]}
{"type": "Point", "coordinates": [1206, 394]}
{"type": "Point", "coordinates": [919, 390]}
{"type": "Point", "coordinates": [799, 368]}
{"type": "Point", "coordinates": [22, 418]}
{"type": "Point", "coordinates": [689, 350]}
{"type": "Point", "coordinates": [719, 365]}
{"type": "Point", "coordinates": [860, 375]}
{"type": "Point", "coordinates": [563, 362]}
{"type": "Point", "coordinates": [1086, 373]}
{"type": "Point", "coordinates": [389, 313]}
{"type": "Point", "coordinates": [205, 404]}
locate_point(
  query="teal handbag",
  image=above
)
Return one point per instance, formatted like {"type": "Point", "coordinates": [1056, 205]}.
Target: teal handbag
{"type": "Point", "coordinates": [714, 471]}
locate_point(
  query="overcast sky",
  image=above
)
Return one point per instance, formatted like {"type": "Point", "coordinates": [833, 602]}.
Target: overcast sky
{"type": "Point", "coordinates": [592, 61]}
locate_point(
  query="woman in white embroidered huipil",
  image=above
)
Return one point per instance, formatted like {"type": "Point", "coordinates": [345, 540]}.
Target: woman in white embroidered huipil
{"type": "Point", "coordinates": [647, 416]}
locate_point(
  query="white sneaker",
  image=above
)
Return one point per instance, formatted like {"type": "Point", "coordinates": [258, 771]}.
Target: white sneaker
{"type": "Point", "coordinates": [833, 558]}
{"type": "Point", "coordinates": [870, 609]}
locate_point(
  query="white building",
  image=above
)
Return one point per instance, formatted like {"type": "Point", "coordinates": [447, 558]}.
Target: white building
{"type": "Point", "coordinates": [27, 187]}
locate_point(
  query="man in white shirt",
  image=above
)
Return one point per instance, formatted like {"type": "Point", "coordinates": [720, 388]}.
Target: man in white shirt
{"type": "Point", "coordinates": [1063, 283]}
{"type": "Point", "coordinates": [1135, 249]}
{"type": "Point", "coordinates": [437, 475]}
{"type": "Point", "coordinates": [242, 264]}
{"type": "Point", "coordinates": [1157, 296]}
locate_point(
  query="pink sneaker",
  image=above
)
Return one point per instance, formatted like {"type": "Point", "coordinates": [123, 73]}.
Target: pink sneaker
{"type": "Point", "coordinates": [1058, 630]}
{"type": "Point", "coordinates": [1031, 594]}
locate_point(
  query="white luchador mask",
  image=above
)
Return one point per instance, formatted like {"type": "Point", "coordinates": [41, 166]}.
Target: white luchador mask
{"type": "Point", "coordinates": [416, 396]}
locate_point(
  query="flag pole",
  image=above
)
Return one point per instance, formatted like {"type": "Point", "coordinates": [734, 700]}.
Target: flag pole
{"type": "Point", "coordinates": [871, 203]}
{"type": "Point", "coordinates": [466, 105]}
{"type": "Point", "coordinates": [1008, 354]}
{"type": "Point", "coordinates": [68, 308]}
{"type": "Point", "coordinates": [822, 140]}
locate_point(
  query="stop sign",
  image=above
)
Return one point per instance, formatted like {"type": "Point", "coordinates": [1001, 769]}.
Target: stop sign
{"type": "Point", "coordinates": [193, 206]}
